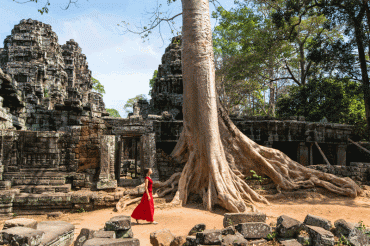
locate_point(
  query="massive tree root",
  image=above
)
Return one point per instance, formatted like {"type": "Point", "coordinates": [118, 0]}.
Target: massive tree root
{"type": "Point", "coordinates": [223, 183]}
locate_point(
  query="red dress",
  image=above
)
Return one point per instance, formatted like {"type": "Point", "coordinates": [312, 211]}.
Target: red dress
{"type": "Point", "coordinates": [145, 209]}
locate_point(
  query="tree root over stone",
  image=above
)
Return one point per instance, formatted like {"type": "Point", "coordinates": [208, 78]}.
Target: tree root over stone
{"type": "Point", "coordinates": [222, 182]}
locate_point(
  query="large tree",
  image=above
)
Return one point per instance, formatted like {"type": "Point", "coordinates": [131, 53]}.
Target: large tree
{"type": "Point", "coordinates": [216, 154]}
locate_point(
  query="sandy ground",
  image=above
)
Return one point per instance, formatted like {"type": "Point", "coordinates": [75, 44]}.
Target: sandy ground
{"type": "Point", "coordinates": [181, 219]}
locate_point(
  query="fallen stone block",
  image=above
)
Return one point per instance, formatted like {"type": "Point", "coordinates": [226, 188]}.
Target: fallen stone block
{"type": "Point", "coordinates": [235, 240]}
{"type": "Point", "coordinates": [161, 237]}
{"type": "Point", "coordinates": [117, 223]}
{"type": "Point", "coordinates": [304, 240]}
{"type": "Point", "coordinates": [287, 227]}
{"type": "Point", "coordinates": [125, 233]}
{"type": "Point", "coordinates": [20, 222]}
{"type": "Point", "coordinates": [237, 218]}
{"type": "Point", "coordinates": [105, 234]}
{"type": "Point", "coordinates": [209, 237]}
{"type": "Point", "coordinates": [343, 227]}
{"type": "Point", "coordinates": [85, 234]}
{"type": "Point", "coordinates": [197, 228]}
{"type": "Point", "coordinates": [290, 242]}
{"type": "Point", "coordinates": [21, 236]}
{"type": "Point", "coordinates": [191, 241]}
{"type": "Point", "coordinates": [112, 242]}
{"type": "Point", "coordinates": [230, 230]}
{"type": "Point", "coordinates": [320, 236]}
{"type": "Point", "coordinates": [253, 230]}
{"type": "Point", "coordinates": [317, 221]}
{"type": "Point", "coordinates": [178, 241]}
{"type": "Point", "coordinates": [358, 238]}
{"type": "Point", "coordinates": [57, 233]}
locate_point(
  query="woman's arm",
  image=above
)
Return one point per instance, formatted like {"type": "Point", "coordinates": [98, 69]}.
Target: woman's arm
{"type": "Point", "coordinates": [146, 188]}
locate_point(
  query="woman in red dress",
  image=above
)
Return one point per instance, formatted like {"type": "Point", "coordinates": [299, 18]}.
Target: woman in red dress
{"type": "Point", "coordinates": [145, 209]}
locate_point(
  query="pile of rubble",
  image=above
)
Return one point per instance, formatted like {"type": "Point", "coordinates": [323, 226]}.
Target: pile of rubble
{"type": "Point", "coordinates": [241, 229]}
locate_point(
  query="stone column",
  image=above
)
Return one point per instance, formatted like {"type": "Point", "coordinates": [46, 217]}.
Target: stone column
{"type": "Point", "coordinates": [303, 153]}
{"type": "Point", "coordinates": [106, 176]}
{"type": "Point", "coordinates": [148, 159]}
{"type": "Point", "coordinates": [341, 154]}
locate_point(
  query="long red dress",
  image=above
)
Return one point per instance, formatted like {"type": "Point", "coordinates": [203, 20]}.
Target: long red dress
{"type": "Point", "coordinates": [145, 209]}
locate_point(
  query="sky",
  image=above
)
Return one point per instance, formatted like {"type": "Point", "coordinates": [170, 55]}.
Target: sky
{"type": "Point", "coordinates": [120, 60]}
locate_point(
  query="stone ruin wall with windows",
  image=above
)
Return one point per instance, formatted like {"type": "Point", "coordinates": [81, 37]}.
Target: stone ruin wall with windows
{"type": "Point", "coordinates": [51, 126]}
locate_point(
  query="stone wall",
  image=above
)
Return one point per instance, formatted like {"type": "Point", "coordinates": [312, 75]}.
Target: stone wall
{"type": "Point", "coordinates": [36, 158]}
{"type": "Point", "coordinates": [357, 171]}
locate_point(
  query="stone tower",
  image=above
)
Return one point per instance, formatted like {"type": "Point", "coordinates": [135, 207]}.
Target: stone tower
{"type": "Point", "coordinates": [167, 90]}
{"type": "Point", "coordinates": [53, 80]}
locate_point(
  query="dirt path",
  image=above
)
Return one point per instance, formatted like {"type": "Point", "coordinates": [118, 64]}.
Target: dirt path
{"type": "Point", "coordinates": [181, 220]}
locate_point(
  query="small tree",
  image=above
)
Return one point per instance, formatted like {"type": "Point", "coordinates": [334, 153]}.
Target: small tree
{"type": "Point", "coordinates": [151, 82]}
{"type": "Point", "coordinates": [113, 112]}
{"type": "Point", "coordinates": [97, 86]}
{"type": "Point", "coordinates": [129, 105]}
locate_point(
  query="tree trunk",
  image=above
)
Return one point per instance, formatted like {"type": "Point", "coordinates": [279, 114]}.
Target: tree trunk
{"type": "Point", "coordinates": [216, 154]}
{"type": "Point", "coordinates": [364, 74]}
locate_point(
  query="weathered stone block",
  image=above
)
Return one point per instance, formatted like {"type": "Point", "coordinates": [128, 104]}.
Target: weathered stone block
{"type": "Point", "coordinates": [178, 241]}
{"type": "Point", "coordinates": [117, 223]}
{"type": "Point", "coordinates": [20, 222]}
{"type": "Point", "coordinates": [106, 184]}
{"type": "Point", "coordinates": [253, 230]}
{"type": "Point", "coordinates": [85, 234]}
{"type": "Point", "coordinates": [287, 227]}
{"type": "Point", "coordinates": [237, 218]}
{"type": "Point", "coordinates": [161, 237]}
{"type": "Point", "coordinates": [192, 241]}
{"type": "Point", "coordinates": [358, 238]}
{"type": "Point", "coordinates": [197, 228]}
{"type": "Point", "coordinates": [320, 236]}
{"type": "Point", "coordinates": [105, 234]}
{"type": "Point", "coordinates": [21, 236]}
{"type": "Point", "coordinates": [317, 221]}
{"type": "Point", "coordinates": [235, 240]}
{"type": "Point", "coordinates": [125, 233]}
{"type": "Point", "coordinates": [112, 242]}
{"type": "Point", "coordinates": [59, 233]}
{"type": "Point", "coordinates": [209, 237]}
{"type": "Point", "coordinates": [343, 227]}
{"type": "Point", "coordinates": [230, 230]}
{"type": "Point", "coordinates": [290, 242]}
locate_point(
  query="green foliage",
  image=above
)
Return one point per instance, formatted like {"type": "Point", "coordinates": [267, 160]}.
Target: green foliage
{"type": "Point", "coordinates": [81, 210]}
{"type": "Point", "coordinates": [128, 107]}
{"type": "Point", "coordinates": [343, 241]}
{"type": "Point", "coordinates": [255, 176]}
{"type": "Point", "coordinates": [97, 86]}
{"type": "Point", "coordinates": [271, 236]}
{"type": "Point", "coordinates": [46, 94]}
{"type": "Point", "coordinates": [113, 112]}
{"type": "Point", "coordinates": [151, 81]}
{"type": "Point", "coordinates": [306, 242]}
{"type": "Point", "coordinates": [339, 100]}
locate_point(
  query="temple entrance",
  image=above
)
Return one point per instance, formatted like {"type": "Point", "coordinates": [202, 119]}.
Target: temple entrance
{"type": "Point", "coordinates": [128, 159]}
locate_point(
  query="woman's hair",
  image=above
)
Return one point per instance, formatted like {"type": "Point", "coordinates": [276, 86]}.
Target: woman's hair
{"type": "Point", "coordinates": [146, 170]}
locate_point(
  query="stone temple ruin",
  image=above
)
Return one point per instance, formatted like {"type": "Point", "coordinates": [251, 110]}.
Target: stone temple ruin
{"type": "Point", "coordinates": [58, 142]}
